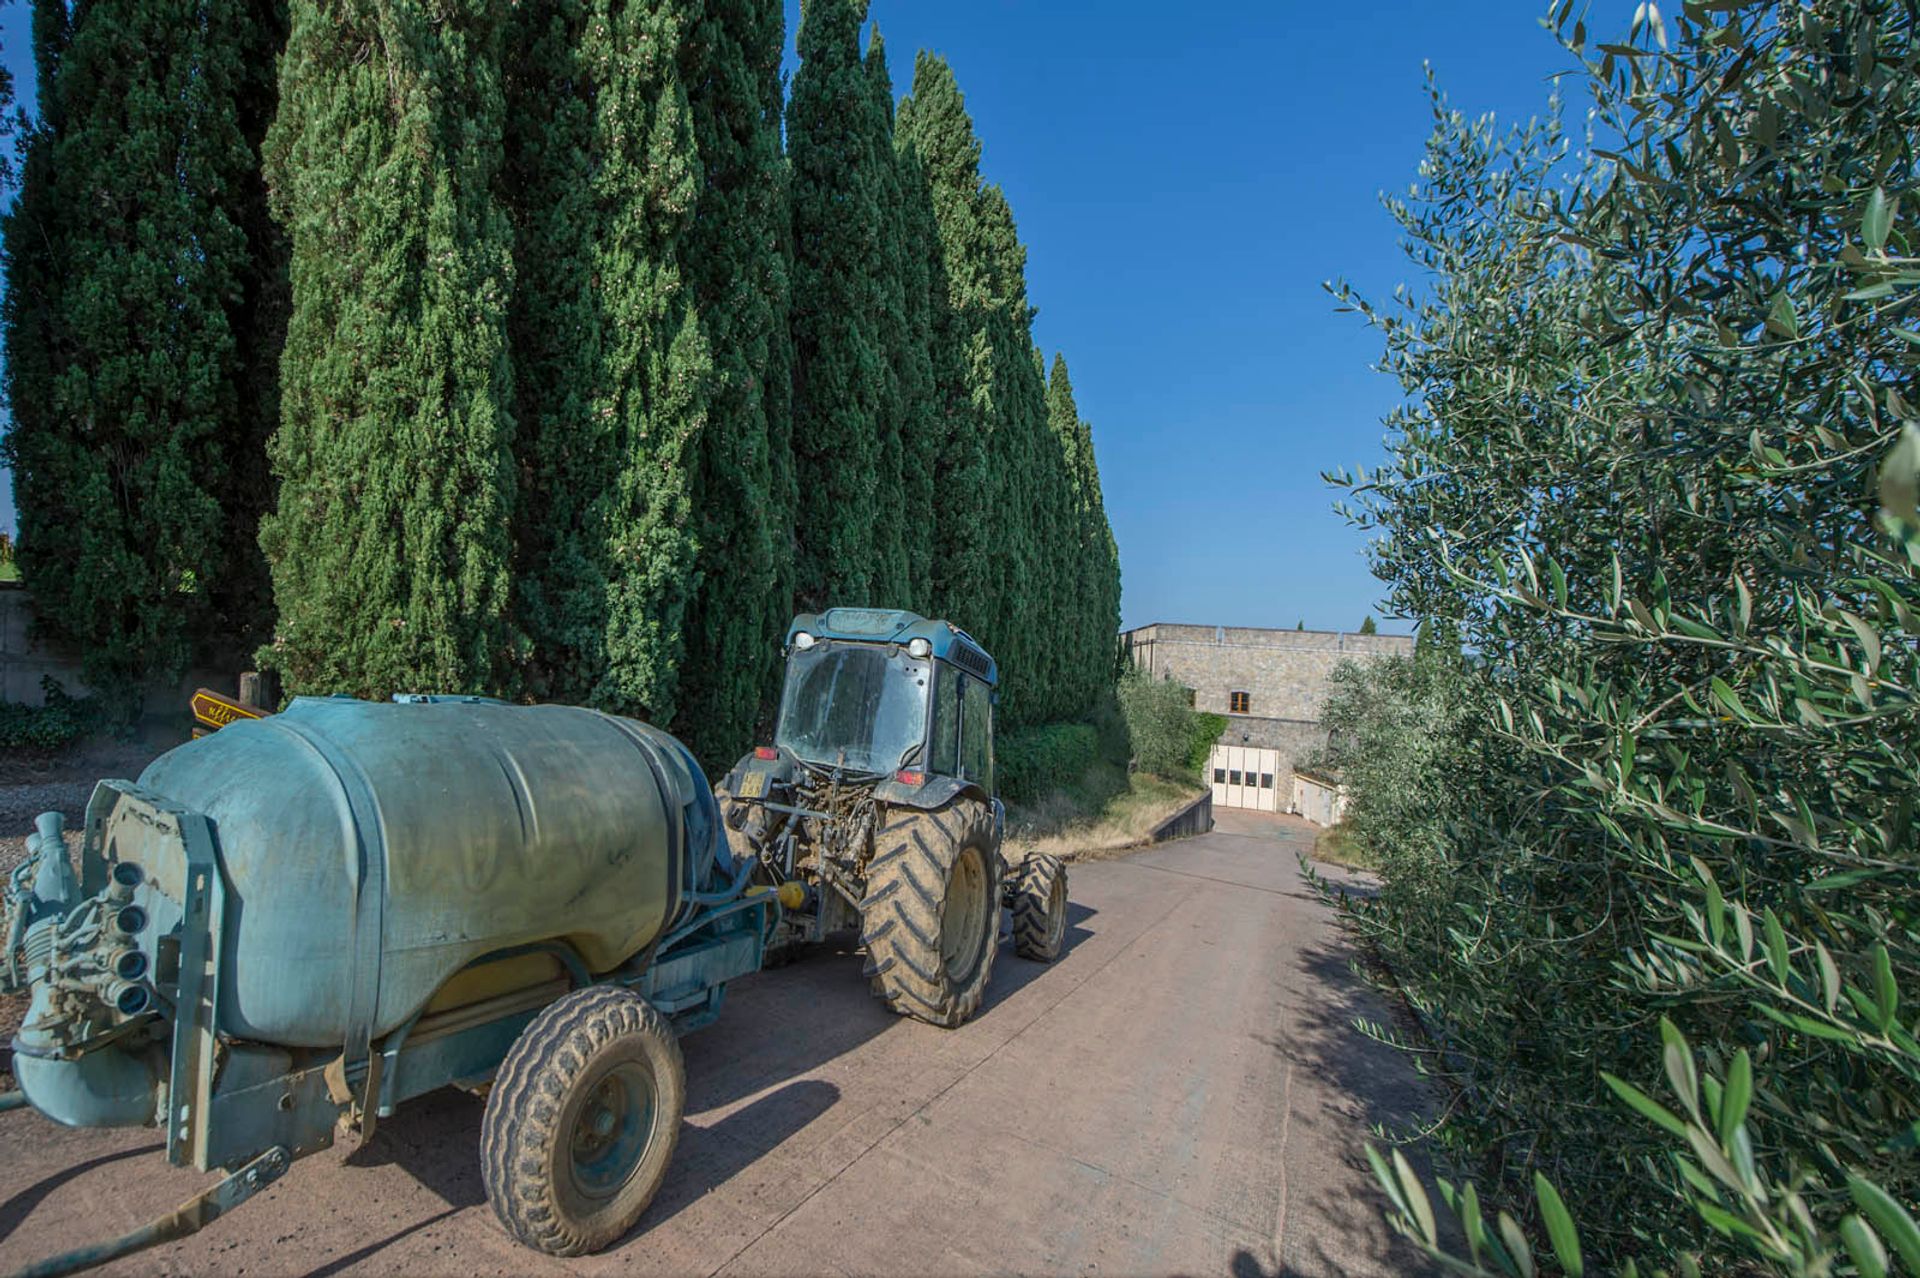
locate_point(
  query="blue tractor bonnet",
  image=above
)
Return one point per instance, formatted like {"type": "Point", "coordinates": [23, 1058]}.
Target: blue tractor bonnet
{"type": "Point", "coordinates": [897, 626]}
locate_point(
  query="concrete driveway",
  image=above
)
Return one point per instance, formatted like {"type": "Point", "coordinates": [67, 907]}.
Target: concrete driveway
{"type": "Point", "coordinates": [1180, 1093]}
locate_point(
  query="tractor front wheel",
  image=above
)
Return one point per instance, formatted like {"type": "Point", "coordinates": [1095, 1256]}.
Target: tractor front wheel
{"type": "Point", "coordinates": [932, 912]}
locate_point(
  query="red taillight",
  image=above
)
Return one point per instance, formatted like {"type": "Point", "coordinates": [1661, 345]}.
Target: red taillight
{"type": "Point", "coordinates": [765, 752]}
{"type": "Point", "coordinates": [905, 777]}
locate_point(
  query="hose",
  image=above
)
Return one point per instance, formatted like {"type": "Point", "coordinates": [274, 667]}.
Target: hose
{"type": "Point", "coordinates": [731, 892]}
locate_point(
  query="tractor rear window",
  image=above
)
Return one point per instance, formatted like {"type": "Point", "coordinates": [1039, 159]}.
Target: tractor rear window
{"type": "Point", "coordinates": [857, 706]}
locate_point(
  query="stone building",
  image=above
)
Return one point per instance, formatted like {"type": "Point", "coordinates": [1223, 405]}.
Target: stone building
{"type": "Point", "coordinates": [1270, 684]}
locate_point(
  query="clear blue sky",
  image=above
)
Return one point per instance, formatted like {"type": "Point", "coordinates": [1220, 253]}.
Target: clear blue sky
{"type": "Point", "coordinates": [1184, 183]}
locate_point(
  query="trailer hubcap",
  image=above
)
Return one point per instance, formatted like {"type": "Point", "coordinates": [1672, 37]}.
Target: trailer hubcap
{"type": "Point", "coordinates": [613, 1130]}
{"type": "Point", "coordinates": [963, 920]}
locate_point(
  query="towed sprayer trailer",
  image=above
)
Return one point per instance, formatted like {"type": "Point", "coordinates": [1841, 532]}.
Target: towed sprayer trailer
{"type": "Point", "coordinates": [287, 928]}
{"type": "Point", "coordinates": [874, 808]}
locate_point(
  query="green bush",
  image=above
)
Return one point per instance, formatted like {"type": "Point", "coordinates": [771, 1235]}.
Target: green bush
{"type": "Point", "coordinates": [1168, 738]}
{"type": "Point", "coordinates": [1651, 392]}
{"type": "Point", "coordinates": [56, 725]}
{"type": "Point", "coordinates": [1116, 745]}
{"type": "Point", "coordinates": [1202, 735]}
{"type": "Point", "coordinates": [1034, 761]}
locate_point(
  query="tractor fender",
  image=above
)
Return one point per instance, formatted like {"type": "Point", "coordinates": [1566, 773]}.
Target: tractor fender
{"type": "Point", "coordinates": [934, 792]}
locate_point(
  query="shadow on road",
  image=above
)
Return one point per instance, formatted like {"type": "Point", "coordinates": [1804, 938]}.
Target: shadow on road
{"type": "Point", "coordinates": [21, 1205]}
{"type": "Point", "coordinates": [709, 1157]}
{"type": "Point", "coordinates": [1378, 1091]}
{"type": "Point", "coordinates": [1011, 973]}
{"type": "Point", "coordinates": [341, 1264]}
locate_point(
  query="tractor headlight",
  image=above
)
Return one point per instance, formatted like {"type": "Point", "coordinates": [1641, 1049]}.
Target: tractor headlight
{"type": "Point", "coordinates": [919, 648]}
{"type": "Point", "coordinates": [804, 641]}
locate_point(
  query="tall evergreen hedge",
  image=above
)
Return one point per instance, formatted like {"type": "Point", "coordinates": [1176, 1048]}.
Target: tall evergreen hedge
{"type": "Point", "coordinates": [612, 360]}
{"type": "Point", "coordinates": [390, 544]}
{"type": "Point", "coordinates": [139, 318]}
{"type": "Point", "coordinates": [587, 383]}
{"type": "Point", "coordinates": [1093, 568]}
{"type": "Point", "coordinates": [737, 260]}
{"type": "Point", "coordinates": [933, 127]}
{"type": "Point", "coordinates": [1014, 536]}
{"type": "Point", "coordinates": [842, 432]}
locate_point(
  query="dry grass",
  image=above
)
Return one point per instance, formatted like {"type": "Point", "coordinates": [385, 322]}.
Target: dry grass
{"type": "Point", "coordinates": [1109, 811]}
{"type": "Point", "coordinates": [1333, 846]}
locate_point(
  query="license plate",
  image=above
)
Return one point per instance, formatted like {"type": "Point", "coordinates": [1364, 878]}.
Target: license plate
{"type": "Point", "coordinates": [753, 785]}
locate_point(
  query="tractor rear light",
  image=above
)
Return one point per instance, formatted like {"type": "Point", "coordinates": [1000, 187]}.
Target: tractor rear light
{"type": "Point", "coordinates": [765, 752]}
{"type": "Point", "coordinates": [906, 777]}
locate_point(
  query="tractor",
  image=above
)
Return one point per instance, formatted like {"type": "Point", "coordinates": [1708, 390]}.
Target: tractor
{"type": "Point", "coordinates": [874, 809]}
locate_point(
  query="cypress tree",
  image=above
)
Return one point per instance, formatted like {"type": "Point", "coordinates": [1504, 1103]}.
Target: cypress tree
{"type": "Point", "coordinates": [389, 547]}
{"type": "Point", "coordinates": [736, 262]}
{"type": "Point", "coordinates": [131, 323]}
{"type": "Point", "coordinates": [840, 361]}
{"type": "Point", "coordinates": [905, 480]}
{"type": "Point", "coordinates": [1003, 513]}
{"type": "Point", "coordinates": [607, 340]}
{"type": "Point", "coordinates": [1094, 599]}
{"type": "Point", "coordinates": [937, 456]}
{"type": "Point", "coordinates": [932, 125]}
{"type": "Point", "coordinates": [564, 446]}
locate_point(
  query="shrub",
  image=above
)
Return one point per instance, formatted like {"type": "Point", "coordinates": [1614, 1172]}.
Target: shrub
{"type": "Point", "coordinates": [1034, 761]}
{"type": "Point", "coordinates": [1168, 738]}
{"type": "Point", "coordinates": [1202, 735]}
{"type": "Point", "coordinates": [1116, 745]}
{"type": "Point", "coordinates": [1649, 393]}
{"type": "Point", "coordinates": [1400, 740]}
{"type": "Point", "coordinates": [56, 725]}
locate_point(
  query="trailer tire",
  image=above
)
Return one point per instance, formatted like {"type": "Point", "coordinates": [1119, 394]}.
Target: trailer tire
{"type": "Point", "coordinates": [1040, 908]}
{"type": "Point", "coordinates": [582, 1120]}
{"type": "Point", "coordinates": [931, 916]}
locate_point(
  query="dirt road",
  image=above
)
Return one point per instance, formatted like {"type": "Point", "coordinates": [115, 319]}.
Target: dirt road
{"type": "Point", "coordinates": [1180, 1093]}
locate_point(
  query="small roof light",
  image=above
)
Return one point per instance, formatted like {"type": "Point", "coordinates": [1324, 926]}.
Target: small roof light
{"type": "Point", "coordinates": [804, 641]}
{"type": "Point", "coordinates": [919, 648]}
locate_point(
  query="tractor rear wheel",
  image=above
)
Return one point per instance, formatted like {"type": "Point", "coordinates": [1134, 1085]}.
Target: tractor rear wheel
{"type": "Point", "coordinates": [582, 1121]}
{"type": "Point", "coordinates": [1039, 907]}
{"type": "Point", "coordinates": [931, 916]}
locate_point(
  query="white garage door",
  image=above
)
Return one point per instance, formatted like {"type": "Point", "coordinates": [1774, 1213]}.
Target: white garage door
{"type": "Point", "coordinates": [1245, 777]}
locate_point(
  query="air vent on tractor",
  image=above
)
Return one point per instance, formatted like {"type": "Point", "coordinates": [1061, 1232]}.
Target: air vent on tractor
{"type": "Point", "coordinates": [970, 659]}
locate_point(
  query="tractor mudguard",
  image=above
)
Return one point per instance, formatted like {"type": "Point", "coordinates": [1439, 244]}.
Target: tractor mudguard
{"type": "Point", "coordinates": [934, 792]}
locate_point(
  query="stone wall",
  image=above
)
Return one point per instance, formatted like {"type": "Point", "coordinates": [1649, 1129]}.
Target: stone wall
{"type": "Point", "coordinates": [1285, 674]}
{"type": "Point", "coordinates": [25, 663]}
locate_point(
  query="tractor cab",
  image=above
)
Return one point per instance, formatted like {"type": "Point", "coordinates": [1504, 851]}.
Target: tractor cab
{"type": "Point", "coordinates": [892, 697]}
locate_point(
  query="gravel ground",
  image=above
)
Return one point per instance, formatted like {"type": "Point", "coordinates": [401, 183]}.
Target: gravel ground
{"type": "Point", "coordinates": [32, 784]}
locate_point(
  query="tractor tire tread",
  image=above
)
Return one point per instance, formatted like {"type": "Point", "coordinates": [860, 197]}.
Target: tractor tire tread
{"type": "Point", "coordinates": [529, 1095]}
{"type": "Point", "coordinates": [901, 913]}
{"type": "Point", "coordinates": [1037, 932]}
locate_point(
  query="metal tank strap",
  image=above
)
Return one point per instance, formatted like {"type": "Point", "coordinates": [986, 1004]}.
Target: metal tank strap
{"type": "Point", "coordinates": [369, 910]}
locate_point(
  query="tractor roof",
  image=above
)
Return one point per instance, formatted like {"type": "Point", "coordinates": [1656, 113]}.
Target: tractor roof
{"type": "Point", "coordinates": [893, 625]}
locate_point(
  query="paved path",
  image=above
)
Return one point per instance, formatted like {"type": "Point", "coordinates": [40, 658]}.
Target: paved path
{"type": "Point", "coordinates": [1180, 1093]}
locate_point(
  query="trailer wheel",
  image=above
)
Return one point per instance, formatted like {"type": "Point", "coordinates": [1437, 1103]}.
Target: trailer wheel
{"type": "Point", "coordinates": [1040, 908]}
{"type": "Point", "coordinates": [582, 1121]}
{"type": "Point", "coordinates": [932, 912]}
